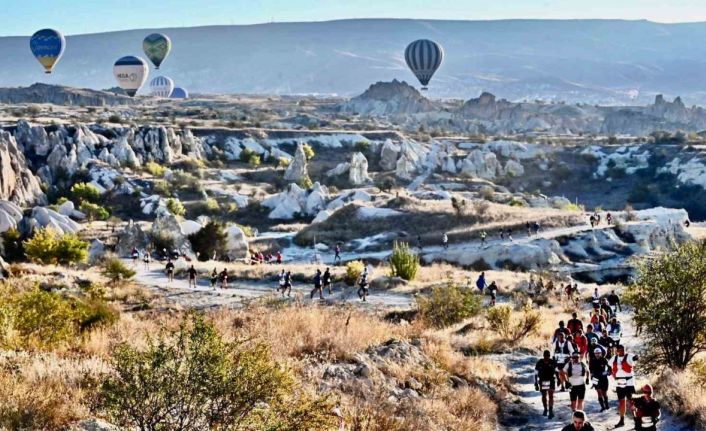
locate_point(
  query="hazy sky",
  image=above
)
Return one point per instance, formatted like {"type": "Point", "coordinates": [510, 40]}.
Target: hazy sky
{"type": "Point", "coordinates": [23, 17]}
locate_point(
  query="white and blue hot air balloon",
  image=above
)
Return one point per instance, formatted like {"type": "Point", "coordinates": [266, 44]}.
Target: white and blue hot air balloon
{"type": "Point", "coordinates": [161, 86]}
{"type": "Point", "coordinates": [179, 93]}
{"type": "Point", "coordinates": [131, 73]}
{"type": "Point", "coordinates": [48, 46]}
{"type": "Point", "coordinates": [424, 57]}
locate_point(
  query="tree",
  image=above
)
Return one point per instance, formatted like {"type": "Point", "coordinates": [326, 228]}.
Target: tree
{"type": "Point", "coordinates": [209, 240]}
{"type": "Point", "coordinates": [448, 305]}
{"type": "Point", "coordinates": [85, 192]}
{"type": "Point", "coordinates": [12, 245]}
{"type": "Point", "coordinates": [116, 270]}
{"type": "Point", "coordinates": [93, 211]}
{"type": "Point", "coordinates": [191, 379]}
{"type": "Point", "coordinates": [669, 297]}
{"type": "Point", "coordinates": [176, 207]}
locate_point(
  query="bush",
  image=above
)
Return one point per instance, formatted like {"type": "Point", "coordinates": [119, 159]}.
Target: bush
{"type": "Point", "coordinates": [509, 326]}
{"type": "Point", "coordinates": [308, 151]}
{"type": "Point", "coordinates": [514, 202]}
{"type": "Point", "coordinates": [115, 270]}
{"type": "Point", "coordinates": [94, 211]}
{"type": "Point", "coordinates": [48, 247]}
{"type": "Point", "coordinates": [305, 183]}
{"type": "Point", "coordinates": [362, 146]}
{"type": "Point", "coordinates": [155, 169]}
{"type": "Point", "coordinates": [283, 162]}
{"type": "Point", "coordinates": [403, 262]}
{"type": "Point", "coordinates": [487, 193]}
{"type": "Point", "coordinates": [12, 245]}
{"type": "Point", "coordinates": [386, 183]}
{"type": "Point", "coordinates": [250, 157]}
{"type": "Point", "coordinates": [354, 269]}
{"type": "Point", "coordinates": [448, 305]}
{"type": "Point", "coordinates": [85, 192]}
{"type": "Point", "coordinates": [254, 160]}
{"type": "Point", "coordinates": [209, 240]}
{"type": "Point", "coordinates": [187, 182]}
{"type": "Point", "coordinates": [115, 118]}
{"type": "Point", "coordinates": [162, 241]}
{"type": "Point", "coordinates": [669, 297]}
{"type": "Point", "coordinates": [192, 376]}
{"type": "Point", "coordinates": [176, 207]}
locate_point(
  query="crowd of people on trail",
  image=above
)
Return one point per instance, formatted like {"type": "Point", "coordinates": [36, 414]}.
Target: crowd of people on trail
{"type": "Point", "coordinates": [258, 258]}
{"type": "Point", "coordinates": [593, 357]}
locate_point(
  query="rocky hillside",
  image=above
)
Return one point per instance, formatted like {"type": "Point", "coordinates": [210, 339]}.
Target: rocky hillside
{"type": "Point", "coordinates": [17, 182]}
{"type": "Point", "coordinates": [61, 95]}
{"type": "Point", "coordinates": [487, 114]}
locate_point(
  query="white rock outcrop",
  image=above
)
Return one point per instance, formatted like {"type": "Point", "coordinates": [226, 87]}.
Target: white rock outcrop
{"type": "Point", "coordinates": [358, 172]}
{"type": "Point", "coordinates": [297, 169]}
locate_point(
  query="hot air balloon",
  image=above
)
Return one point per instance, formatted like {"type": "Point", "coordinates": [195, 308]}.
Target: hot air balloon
{"type": "Point", "coordinates": [48, 46]}
{"type": "Point", "coordinates": [130, 72]}
{"type": "Point", "coordinates": [157, 47]}
{"type": "Point", "coordinates": [423, 57]}
{"type": "Point", "coordinates": [161, 86]}
{"type": "Point", "coordinates": [179, 93]}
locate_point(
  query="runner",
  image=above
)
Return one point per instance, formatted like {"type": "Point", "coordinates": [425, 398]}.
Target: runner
{"type": "Point", "coordinates": [279, 257]}
{"type": "Point", "coordinates": [579, 423]}
{"type": "Point", "coordinates": [192, 276]}
{"type": "Point", "coordinates": [134, 255]}
{"type": "Point", "coordinates": [493, 289]}
{"type": "Point", "coordinates": [363, 285]}
{"type": "Point", "coordinates": [614, 302]}
{"type": "Point", "coordinates": [606, 307]}
{"type": "Point", "coordinates": [577, 374]}
{"type": "Point", "coordinates": [595, 347]}
{"type": "Point", "coordinates": [536, 228]}
{"type": "Point", "coordinates": [646, 411]}
{"type": "Point", "coordinates": [214, 278]}
{"type": "Point", "coordinates": [287, 287]}
{"type": "Point", "coordinates": [622, 370]}
{"type": "Point", "coordinates": [609, 219]}
{"type": "Point", "coordinates": [560, 330]}
{"type": "Point", "coordinates": [590, 335]}
{"type": "Point", "coordinates": [327, 280]}
{"type": "Point", "coordinates": [562, 352]}
{"type": "Point", "coordinates": [419, 243]}
{"type": "Point", "coordinates": [529, 228]}
{"type": "Point", "coordinates": [337, 255]}
{"type": "Point", "coordinates": [445, 241]}
{"type": "Point", "coordinates": [146, 258]}
{"type": "Point", "coordinates": [598, 365]}
{"type": "Point", "coordinates": [170, 271]}
{"type": "Point", "coordinates": [581, 343]}
{"type": "Point", "coordinates": [574, 324]}
{"type": "Point", "coordinates": [480, 283]}
{"type": "Point", "coordinates": [596, 298]}
{"type": "Point", "coordinates": [509, 234]}
{"type": "Point", "coordinates": [317, 285]}
{"type": "Point", "coordinates": [607, 342]}
{"type": "Point", "coordinates": [483, 235]}
{"type": "Point", "coordinates": [615, 330]}
{"type": "Point", "coordinates": [281, 277]}
{"type": "Point", "coordinates": [545, 382]}
{"type": "Point", "coordinates": [502, 234]}
{"type": "Point", "coordinates": [598, 318]}
{"type": "Point", "coordinates": [223, 277]}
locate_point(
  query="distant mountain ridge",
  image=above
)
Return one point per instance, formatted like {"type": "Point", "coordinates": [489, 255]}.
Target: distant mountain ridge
{"type": "Point", "coordinates": [62, 95]}
{"type": "Point", "coordinates": [592, 61]}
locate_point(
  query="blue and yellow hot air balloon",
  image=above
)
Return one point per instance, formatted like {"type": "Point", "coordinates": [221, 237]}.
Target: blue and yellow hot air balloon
{"type": "Point", "coordinates": [157, 47]}
{"type": "Point", "coordinates": [48, 46]}
{"type": "Point", "coordinates": [424, 57]}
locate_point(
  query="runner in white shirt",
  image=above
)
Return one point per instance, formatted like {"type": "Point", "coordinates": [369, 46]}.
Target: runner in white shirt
{"type": "Point", "coordinates": [578, 375]}
{"type": "Point", "coordinates": [622, 367]}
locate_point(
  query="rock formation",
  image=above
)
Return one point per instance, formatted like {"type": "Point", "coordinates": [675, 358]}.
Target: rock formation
{"type": "Point", "coordinates": [389, 98]}
{"type": "Point", "coordinates": [17, 183]}
{"type": "Point", "coordinates": [297, 170]}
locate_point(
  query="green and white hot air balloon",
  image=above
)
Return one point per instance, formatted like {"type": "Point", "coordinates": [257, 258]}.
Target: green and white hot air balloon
{"type": "Point", "coordinates": [157, 47]}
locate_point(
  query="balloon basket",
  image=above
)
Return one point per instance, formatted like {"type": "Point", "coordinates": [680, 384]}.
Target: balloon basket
{"type": "Point", "coordinates": [425, 88]}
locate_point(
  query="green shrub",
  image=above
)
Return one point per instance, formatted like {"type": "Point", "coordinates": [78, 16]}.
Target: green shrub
{"type": "Point", "coordinates": [354, 269]}
{"type": "Point", "coordinates": [403, 262]}
{"type": "Point", "coordinates": [305, 183]}
{"type": "Point", "coordinates": [192, 376]}
{"type": "Point", "coordinates": [187, 182]}
{"type": "Point", "coordinates": [308, 151]}
{"type": "Point", "coordinates": [115, 118]}
{"type": "Point", "coordinates": [386, 183]}
{"type": "Point", "coordinates": [209, 240]}
{"type": "Point", "coordinates": [115, 270]}
{"type": "Point", "coordinates": [362, 146]}
{"type": "Point", "coordinates": [246, 154]}
{"type": "Point", "coordinates": [510, 327]}
{"type": "Point", "coordinates": [95, 313]}
{"type": "Point", "coordinates": [162, 188]}
{"type": "Point", "coordinates": [13, 249]}
{"type": "Point", "coordinates": [93, 211]}
{"type": "Point", "coordinates": [48, 247]}
{"type": "Point", "coordinates": [283, 162]}
{"type": "Point", "coordinates": [448, 305]}
{"type": "Point", "coordinates": [162, 241]}
{"type": "Point", "coordinates": [85, 192]}
{"type": "Point", "coordinates": [254, 160]}
{"type": "Point", "coordinates": [155, 169]}
{"type": "Point", "coordinates": [517, 203]}
{"type": "Point", "coordinates": [176, 207]}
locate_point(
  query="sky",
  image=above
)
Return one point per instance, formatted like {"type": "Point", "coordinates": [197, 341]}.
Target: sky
{"type": "Point", "coordinates": [23, 17]}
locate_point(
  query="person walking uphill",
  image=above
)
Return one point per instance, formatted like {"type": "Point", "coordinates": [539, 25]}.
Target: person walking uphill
{"type": "Point", "coordinates": [646, 411]}
{"type": "Point", "coordinates": [317, 285]}
{"type": "Point", "coordinates": [545, 382]}
{"type": "Point", "coordinates": [480, 283]}
{"type": "Point", "coordinates": [577, 374]}
{"type": "Point", "coordinates": [579, 422]}
{"type": "Point", "coordinates": [169, 268]}
{"type": "Point", "coordinates": [327, 280]}
{"type": "Point", "coordinates": [622, 367]}
{"type": "Point", "coordinates": [363, 285]}
{"type": "Point", "coordinates": [192, 276]}
{"type": "Point", "coordinates": [445, 241]}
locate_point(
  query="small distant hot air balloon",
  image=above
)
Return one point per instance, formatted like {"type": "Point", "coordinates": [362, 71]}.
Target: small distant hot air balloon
{"type": "Point", "coordinates": [130, 72]}
{"type": "Point", "coordinates": [424, 57]}
{"type": "Point", "coordinates": [161, 86]}
{"type": "Point", "coordinates": [48, 46]}
{"type": "Point", "coordinates": [179, 93]}
{"type": "Point", "coordinates": [157, 47]}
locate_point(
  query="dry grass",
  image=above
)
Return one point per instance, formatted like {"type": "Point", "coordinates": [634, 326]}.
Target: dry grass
{"type": "Point", "coordinates": [682, 394]}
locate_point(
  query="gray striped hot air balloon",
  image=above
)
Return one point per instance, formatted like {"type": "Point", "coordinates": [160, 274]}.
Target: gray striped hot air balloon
{"type": "Point", "coordinates": [424, 57]}
{"type": "Point", "coordinates": [161, 86]}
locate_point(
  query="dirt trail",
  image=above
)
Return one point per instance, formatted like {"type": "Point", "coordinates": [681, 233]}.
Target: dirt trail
{"type": "Point", "coordinates": [522, 366]}
{"type": "Point", "coordinates": [240, 292]}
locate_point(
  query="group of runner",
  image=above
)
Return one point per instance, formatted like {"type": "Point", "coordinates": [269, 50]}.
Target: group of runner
{"type": "Point", "coordinates": [578, 360]}
{"type": "Point", "coordinates": [322, 281]}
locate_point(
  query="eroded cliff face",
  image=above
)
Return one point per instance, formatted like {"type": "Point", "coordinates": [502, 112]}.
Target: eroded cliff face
{"type": "Point", "coordinates": [17, 182]}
